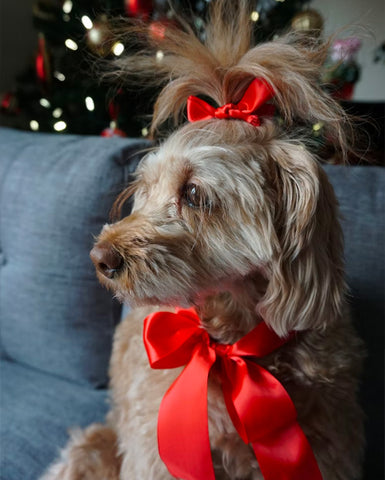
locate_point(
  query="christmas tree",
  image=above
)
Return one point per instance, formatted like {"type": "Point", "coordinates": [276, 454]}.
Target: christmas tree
{"type": "Point", "coordinates": [61, 93]}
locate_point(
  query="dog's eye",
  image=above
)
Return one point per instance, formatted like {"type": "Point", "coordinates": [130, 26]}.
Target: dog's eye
{"type": "Point", "coordinates": [193, 196]}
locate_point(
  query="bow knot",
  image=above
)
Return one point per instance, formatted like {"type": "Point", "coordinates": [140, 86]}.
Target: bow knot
{"type": "Point", "coordinates": [259, 406]}
{"type": "Point", "coordinates": [226, 110]}
{"type": "Point", "coordinates": [220, 349]}
{"type": "Point", "coordinates": [251, 106]}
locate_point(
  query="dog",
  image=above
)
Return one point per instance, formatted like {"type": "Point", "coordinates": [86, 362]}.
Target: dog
{"type": "Point", "coordinates": [234, 217]}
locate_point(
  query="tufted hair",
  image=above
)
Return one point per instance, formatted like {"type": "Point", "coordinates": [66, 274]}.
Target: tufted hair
{"type": "Point", "coordinates": [223, 64]}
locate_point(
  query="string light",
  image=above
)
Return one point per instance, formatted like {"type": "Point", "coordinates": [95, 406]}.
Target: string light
{"type": "Point", "coordinates": [34, 125]}
{"type": "Point", "coordinates": [69, 43]}
{"type": "Point", "coordinates": [144, 132]}
{"type": "Point", "coordinates": [95, 35]}
{"type": "Point", "coordinates": [118, 48]}
{"type": "Point", "coordinates": [44, 103]}
{"type": "Point", "coordinates": [59, 76]}
{"type": "Point", "coordinates": [317, 126]}
{"type": "Point", "coordinates": [87, 22]}
{"type": "Point", "coordinates": [67, 6]}
{"type": "Point", "coordinates": [254, 16]}
{"type": "Point", "coordinates": [90, 105]}
{"type": "Point", "coordinates": [60, 126]}
{"type": "Point", "coordinates": [57, 113]}
{"type": "Point", "coordinates": [159, 55]}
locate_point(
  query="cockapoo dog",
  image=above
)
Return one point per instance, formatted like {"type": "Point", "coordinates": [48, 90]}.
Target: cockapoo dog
{"type": "Point", "coordinates": [234, 216]}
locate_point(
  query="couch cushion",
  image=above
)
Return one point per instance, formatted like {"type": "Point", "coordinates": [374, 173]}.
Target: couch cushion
{"type": "Point", "coordinates": [360, 191]}
{"type": "Point", "coordinates": [55, 195]}
{"type": "Point", "coordinates": [36, 411]}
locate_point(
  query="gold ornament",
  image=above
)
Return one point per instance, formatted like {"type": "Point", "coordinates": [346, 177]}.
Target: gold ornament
{"type": "Point", "coordinates": [308, 21]}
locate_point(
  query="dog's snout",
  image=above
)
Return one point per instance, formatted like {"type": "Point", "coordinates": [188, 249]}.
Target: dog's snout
{"type": "Point", "coordinates": [106, 259]}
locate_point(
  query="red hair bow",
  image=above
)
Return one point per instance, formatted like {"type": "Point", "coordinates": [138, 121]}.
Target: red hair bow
{"type": "Point", "coordinates": [252, 103]}
{"type": "Point", "coordinates": [259, 406]}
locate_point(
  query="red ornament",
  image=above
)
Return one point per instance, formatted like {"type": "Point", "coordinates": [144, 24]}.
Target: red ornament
{"type": "Point", "coordinates": [112, 132]}
{"type": "Point", "coordinates": [157, 30]}
{"type": "Point", "coordinates": [343, 90]}
{"type": "Point", "coordinates": [42, 61]}
{"type": "Point", "coordinates": [139, 8]}
{"type": "Point", "coordinates": [113, 109]}
{"type": "Point", "coordinates": [9, 103]}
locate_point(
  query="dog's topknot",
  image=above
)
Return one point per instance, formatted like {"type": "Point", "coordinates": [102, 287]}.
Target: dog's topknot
{"type": "Point", "coordinates": [225, 62]}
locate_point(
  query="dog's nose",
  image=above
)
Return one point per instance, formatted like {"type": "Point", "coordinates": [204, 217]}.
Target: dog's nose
{"type": "Point", "coordinates": [106, 260]}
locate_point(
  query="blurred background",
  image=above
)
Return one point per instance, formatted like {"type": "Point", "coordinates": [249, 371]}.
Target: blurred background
{"type": "Point", "coordinates": [46, 46]}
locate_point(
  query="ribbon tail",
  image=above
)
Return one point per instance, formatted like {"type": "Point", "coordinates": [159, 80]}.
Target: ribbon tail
{"type": "Point", "coordinates": [183, 435]}
{"type": "Point", "coordinates": [287, 455]}
{"type": "Point", "coordinates": [265, 416]}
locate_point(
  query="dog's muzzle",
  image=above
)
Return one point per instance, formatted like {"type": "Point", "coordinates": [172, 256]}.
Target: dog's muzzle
{"type": "Point", "coordinates": [106, 259]}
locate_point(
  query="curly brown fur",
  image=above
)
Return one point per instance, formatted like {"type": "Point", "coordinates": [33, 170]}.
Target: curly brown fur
{"type": "Point", "coordinates": [260, 240]}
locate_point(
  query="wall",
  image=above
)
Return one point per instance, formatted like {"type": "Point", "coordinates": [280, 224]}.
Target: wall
{"type": "Point", "coordinates": [369, 14]}
{"type": "Point", "coordinates": [18, 39]}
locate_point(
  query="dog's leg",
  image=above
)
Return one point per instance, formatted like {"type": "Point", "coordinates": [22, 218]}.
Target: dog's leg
{"type": "Point", "coordinates": [91, 454]}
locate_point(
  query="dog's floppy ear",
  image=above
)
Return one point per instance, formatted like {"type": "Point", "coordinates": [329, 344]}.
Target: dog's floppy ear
{"type": "Point", "coordinates": [306, 284]}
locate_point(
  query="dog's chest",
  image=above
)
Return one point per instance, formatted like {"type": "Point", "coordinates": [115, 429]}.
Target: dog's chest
{"type": "Point", "coordinates": [137, 392]}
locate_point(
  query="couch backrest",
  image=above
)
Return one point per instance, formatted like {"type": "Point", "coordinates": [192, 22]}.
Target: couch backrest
{"type": "Point", "coordinates": [360, 191]}
{"type": "Point", "coordinates": [55, 195]}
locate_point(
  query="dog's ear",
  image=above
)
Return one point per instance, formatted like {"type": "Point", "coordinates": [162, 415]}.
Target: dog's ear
{"type": "Point", "coordinates": [306, 284]}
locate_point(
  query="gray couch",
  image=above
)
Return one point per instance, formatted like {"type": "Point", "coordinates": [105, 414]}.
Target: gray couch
{"type": "Point", "coordinates": [57, 322]}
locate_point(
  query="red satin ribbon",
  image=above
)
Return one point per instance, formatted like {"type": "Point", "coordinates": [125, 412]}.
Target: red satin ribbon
{"type": "Point", "coordinates": [259, 406]}
{"type": "Point", "coordinates": [252, 103]}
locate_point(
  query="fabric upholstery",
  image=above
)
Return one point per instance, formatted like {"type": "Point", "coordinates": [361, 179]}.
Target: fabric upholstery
{"type": "Point", "coordinates": [55, 195]}
{"type": "Point", "coordinates": [37, 410]}
{"type": "Point", "coordinates": [360, 191]}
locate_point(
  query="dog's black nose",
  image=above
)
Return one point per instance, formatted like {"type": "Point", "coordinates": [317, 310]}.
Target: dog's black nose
{"type": "Point", "coordinates": [106, 259]}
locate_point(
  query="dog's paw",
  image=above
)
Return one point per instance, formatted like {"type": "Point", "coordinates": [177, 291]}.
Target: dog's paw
{"type": "Point", "coordinates": [90, 454]}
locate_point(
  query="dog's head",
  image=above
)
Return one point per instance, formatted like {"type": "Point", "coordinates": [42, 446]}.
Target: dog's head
{"type": "Point", "coordinates": [223, 204]}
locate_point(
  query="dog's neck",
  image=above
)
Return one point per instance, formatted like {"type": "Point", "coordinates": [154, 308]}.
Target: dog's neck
{"type": "Point", "coordinates": [228, 315]}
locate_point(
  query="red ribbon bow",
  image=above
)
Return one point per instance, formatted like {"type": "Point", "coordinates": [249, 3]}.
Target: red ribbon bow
{"type": "Point", "coordinates": [253, 102]}
{"type": "Point", "coordinates": [259, 406]}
